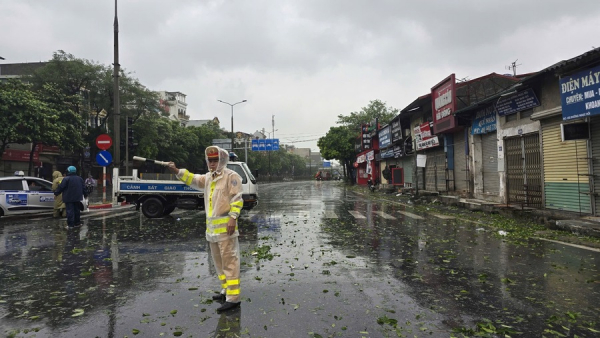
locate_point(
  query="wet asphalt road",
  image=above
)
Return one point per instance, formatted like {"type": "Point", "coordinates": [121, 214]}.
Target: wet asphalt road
{"type": "Point", "coordinates": [318, 260]}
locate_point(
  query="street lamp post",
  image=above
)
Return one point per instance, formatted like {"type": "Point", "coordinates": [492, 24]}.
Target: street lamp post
{"type": "Point", "coordinates": [232, 134]}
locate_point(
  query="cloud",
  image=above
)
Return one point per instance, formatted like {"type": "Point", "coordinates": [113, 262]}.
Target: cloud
{"type": "Point", "coordinates": [307, 61]}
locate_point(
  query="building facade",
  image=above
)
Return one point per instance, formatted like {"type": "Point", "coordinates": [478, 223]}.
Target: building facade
{"type": "Point", "coordinates": [174, 103]}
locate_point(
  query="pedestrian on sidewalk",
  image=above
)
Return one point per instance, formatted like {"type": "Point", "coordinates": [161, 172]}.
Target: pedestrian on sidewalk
{"type": "Point", "coordinates": [73, 191]}
{"type": "Point", "coordinates": [60, 210]}
{"type": "Point", "coordinates": [223, 204]}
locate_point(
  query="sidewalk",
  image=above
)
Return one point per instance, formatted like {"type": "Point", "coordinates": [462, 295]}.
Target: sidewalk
{"type": "Point", "coordinates": [560, 225]}
{"type": "Point", "coordinates": [96, 200]}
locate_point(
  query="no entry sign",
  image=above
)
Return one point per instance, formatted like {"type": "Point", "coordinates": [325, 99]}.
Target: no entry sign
{"type": "Point", "coordinates": [103, 141]}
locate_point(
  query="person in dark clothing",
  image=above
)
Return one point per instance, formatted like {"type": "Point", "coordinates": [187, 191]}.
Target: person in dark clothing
{"type": "Point", "coordinates": [73, 191]}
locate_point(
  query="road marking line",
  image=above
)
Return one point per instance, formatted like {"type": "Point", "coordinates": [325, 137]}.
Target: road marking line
{"type": "Point", "coordinates": [443, 216]}
{"type": "Point", "coordinates": [409, 214]}
{"type": "Point", "coordinates": [356, 214]}
{"type": "Point", "coordinates": [384, 215]}
{"type": "Point", "coordinates": [117, 215]}
{"type": "Point", "coordinates": [569, 244]}
{"type": "Point", "coordinates": [95, 214]}
{"type": "Point", "coordinates": [330, 214]}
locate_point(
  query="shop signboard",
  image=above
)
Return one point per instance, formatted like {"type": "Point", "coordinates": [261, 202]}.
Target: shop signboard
{"type": "Point", "coordinates": [396, 131]}
{"type": "Point", "coordinates": [443, 102]}
{"type": "Point", "coordinates": [484, 122]}
{"type": "Point", "coordinates": [429, 143]}
{"type": "Point", "coordinates": [512, 104]}
{"type": "Point", "coordinates": [387, 153]}
{"type": "Point", "coordinates": [19, 155]}
{"type": "Point", "coordinates": [366, 141]}
{"type": "Point", "coordinates": [384, 137]}
{"type": "Point", "coordinates": [580, 94]}
{"type": "Point", "coordinates": [398, 151]}
{"type": "Point", "coordinates": [423, 138]}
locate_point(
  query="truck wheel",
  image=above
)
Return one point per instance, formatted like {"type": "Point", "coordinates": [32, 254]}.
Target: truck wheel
{"type": "Point", "coordinates": [152, 207]}
{"type": "Point", "coordinates": [168, 210]}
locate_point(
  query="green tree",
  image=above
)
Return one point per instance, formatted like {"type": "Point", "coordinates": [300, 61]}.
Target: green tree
{"type": "Point", "coordinates": [57, 124]}
{"type": "Point", "coordinates": [375, 110]}
{"type": "Point", "coordinates": [94, 83]}
{"type": "Point", "coordinates": [338, 144]}
{"type": "Point", "coordinates": [17, 104]}
{"type": "Point", "coordinates": [42, 117]}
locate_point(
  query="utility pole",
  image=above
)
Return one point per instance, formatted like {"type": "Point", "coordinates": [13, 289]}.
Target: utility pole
{"type": "Point", "coordinates": [116, 103]}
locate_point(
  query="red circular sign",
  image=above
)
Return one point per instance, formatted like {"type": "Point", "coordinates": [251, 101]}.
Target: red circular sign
{"type": "Point", "coordinates": [103, 141]}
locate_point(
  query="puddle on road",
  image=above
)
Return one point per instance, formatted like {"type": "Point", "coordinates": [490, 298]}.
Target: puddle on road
{"type": "Point", "coordinates": [304, 273]}
{"type": "Point", "coordinates": [477, 280]}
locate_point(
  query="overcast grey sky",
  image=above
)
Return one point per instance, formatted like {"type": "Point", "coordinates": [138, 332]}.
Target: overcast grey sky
{"type": "Point", "coordinates": [304, 61]}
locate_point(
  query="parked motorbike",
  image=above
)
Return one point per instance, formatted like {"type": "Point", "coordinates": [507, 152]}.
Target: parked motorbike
{"type": "Point", "coordinates": [372, 184]}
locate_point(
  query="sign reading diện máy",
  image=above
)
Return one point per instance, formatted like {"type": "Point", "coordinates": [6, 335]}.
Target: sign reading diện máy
{"type": "Point", "coordinates": [580, 94]}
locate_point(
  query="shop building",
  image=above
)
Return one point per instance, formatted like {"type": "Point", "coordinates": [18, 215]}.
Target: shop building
{"type": "Point", "coordinates": [396, 155]}
{"type": "Point", "coordinates": [569, 118]}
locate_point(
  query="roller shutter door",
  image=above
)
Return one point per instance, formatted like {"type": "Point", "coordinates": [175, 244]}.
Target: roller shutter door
{"type": "Point", "coordinates": [595, 155]}
{"type": "Point", "coordinates": [407, 164]}
{"type": "Point", "coordinates": [461, 175]}
{"type": "Point", "coordinates": [566, 179]}
{"type": "Point", "coordinates": [491, 178]}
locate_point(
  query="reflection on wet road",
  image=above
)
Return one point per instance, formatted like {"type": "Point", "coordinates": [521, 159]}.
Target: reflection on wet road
{"type": "Point", "coordinates": [317, 260]}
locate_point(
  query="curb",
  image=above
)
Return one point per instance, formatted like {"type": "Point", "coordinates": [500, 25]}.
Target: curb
{"type": "Point", "coordinates": [105, 205]}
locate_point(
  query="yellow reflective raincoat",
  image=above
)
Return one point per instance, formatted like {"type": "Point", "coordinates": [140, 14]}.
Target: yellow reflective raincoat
{"type": "Point", "coordinates": [222, 196]}
{"type": "Point", "coordinates": [222, 201]}
{"type": "Point", "coordinates": [59, 205]}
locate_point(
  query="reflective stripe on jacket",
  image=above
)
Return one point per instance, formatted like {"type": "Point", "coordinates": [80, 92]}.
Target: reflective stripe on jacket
{"type": "Point", "coordinates": [222, 199]}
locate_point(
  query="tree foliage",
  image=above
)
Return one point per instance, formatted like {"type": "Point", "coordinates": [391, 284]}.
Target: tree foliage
{"type": "Point", "coordinates": [93, 83]}
{"type": "Point", "coordinates": [39, 117]}
{"type": "Point", "coordinates": [339, 142]}
{"type": "Point", "coordinates": [375, 109]}
{"type": "Point", "coordinates": [277, 163]}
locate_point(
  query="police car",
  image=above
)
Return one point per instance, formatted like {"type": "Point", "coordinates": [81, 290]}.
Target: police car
{"type": "Point", "coordinates": [22, 194]}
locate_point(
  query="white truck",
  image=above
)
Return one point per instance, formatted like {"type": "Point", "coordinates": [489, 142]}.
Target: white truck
{"type": "Point", "coordinates": [158, 198]}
